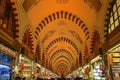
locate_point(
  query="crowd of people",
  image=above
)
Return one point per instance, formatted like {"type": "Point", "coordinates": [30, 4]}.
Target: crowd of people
{"type": "Point", "coordinates": [37, 78]}
{"type": "Point", "coordinates": [24, 78]}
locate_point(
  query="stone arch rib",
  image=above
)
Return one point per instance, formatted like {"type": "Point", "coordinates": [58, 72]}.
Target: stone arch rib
{"type": "Point", "coordinates": [62, 15]}
{"type": "Point", "coordinates": [95, 41]}
{"type": "Point", "coordinates": [62, 50]}
{"type": "Point", "coordinates": [59, 39]}
{"type": "Point", "coordinates": [16, 18]}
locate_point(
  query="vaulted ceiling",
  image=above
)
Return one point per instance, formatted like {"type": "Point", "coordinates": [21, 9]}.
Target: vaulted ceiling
{"type": "Point", "coordinates": [64, 29]}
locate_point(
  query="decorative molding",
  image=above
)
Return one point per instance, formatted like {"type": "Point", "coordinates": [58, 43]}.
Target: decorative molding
{"type": "Point", "coordinates": [62, 1]}
{"type": "Point", "coordinates": [62, 39]}
{"type": "Point", "coordinates": [7, 51]}
{"type": "Point", "coordinates": [95, 4]}
{"type": "Point", "coordinates": [61, 23]}
{"type": "Point", "coordinates": [76, 35]}
{"type": "Point", "coordinates": [27, 4]}
{"type": "Point", "coordinates": [50, 33]}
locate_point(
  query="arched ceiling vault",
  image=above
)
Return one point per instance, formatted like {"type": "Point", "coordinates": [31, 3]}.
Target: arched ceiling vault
{"type": "Point", "coordinates": [62, 47]}
{"type": "Point", "coordinates": [61, 40]}
{"type": "Point", "coordinates": [63, 28]}
{"type": "Point", "coordinates": [55, 60]}
{"type": "Point", "coordinates": [62, 52]}
{"type": "Point", "coordinates": [62, 68]}
{"type": "Point", "coordinates": [61, 60]}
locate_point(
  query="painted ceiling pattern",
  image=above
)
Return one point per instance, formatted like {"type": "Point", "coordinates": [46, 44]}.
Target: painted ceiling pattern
{"type": "Point", "coordinates": [63, 31]}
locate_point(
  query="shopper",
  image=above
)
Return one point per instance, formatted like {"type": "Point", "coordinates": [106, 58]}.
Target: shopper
{"type": "Point", "coordinates": [38, 78]}
{"type": "Point", "coordinates": [17, 78]}
{"type": "Point", "coordinates": [24, 78]}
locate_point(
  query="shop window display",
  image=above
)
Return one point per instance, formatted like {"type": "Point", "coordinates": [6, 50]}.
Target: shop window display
{"type": "Point", "coordinates": [25, 66]}
{"type": "Point", "coordinates": [5, 59]}
{"type": "Point", "coordinates": [5, 72]}
{"type": "Point", "coordinates": [114, 62]}
{"type": "Point", "coordinates": [97, 73]}
{"type": "Point", "coordinates": [5, 66]}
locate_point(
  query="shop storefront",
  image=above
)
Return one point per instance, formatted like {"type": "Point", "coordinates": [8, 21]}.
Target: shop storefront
{"type": "Point", "coordinates": [37, 70]}
{"type": "Point", "coordinates": [113, 64]}
{"type": "Point", "coordinates": [86, 71]}
{"type": "Point", "coordinates": [25, 66]}
{"type": "Point", "coordinates": [81, 75]}
{"type": "Point", "coordinates": [7, 61]}
{"type": "Point", "coordinates": [97, 69]}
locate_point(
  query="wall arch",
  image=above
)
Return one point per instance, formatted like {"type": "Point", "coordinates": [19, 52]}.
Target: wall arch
{"type": "Point", "coordinates": [96, 42]}
{"type": "Point", "coordinates": [27, 40]}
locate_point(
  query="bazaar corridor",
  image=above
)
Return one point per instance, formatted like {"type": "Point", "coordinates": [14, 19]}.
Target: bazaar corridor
{"type": "Point", "coordinates": [59, 39]}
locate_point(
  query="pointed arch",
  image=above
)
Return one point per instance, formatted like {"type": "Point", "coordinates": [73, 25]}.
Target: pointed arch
{"type": "Point", "coordinates": [27, 41]}
{"type": "Point", "coordinates": [96, 42]}
{"type": "Point", "coordinates": [85, 54]}
{"type": "Point", "coordinates": [38, 54]}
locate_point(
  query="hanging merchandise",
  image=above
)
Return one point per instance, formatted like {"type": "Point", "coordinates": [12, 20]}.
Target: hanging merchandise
{"type": "Point", "coordinates": [87, 70]}
{"type": "Point", "coordinates": [102, 67]}
{"type": "Point", "coordinates": [25, 66]}
{"type": "Point", "coordinates": [21, 66]}
{"type": "Point", "coordinates": [36, 71]}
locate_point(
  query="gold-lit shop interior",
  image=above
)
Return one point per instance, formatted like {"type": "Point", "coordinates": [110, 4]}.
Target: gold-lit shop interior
{"type": "Point", "coordinates": [60, 39]}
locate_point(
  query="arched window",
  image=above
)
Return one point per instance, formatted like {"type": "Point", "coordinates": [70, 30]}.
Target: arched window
{"type": "Point", "coordinates": [114, 16]}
